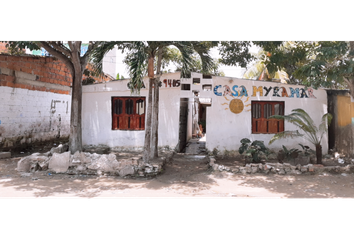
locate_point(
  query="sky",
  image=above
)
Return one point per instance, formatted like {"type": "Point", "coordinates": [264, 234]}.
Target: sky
{"type": "Point", "coordinates": [230, 71]}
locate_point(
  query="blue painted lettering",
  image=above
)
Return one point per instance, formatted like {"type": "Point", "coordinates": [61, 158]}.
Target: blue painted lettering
{"type": "Point", "coordinates": [216, 90]}
{"type": "Point", "coordinates": [236, 92]}
{"type": "Point", "coordinates": [243, 91]}
{"type": "Point", "coordinates": [294, 91]}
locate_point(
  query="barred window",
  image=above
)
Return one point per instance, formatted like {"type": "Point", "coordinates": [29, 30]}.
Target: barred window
{"type": "Point", "coordinates": [261, 110]}
{"type": "Point", "coordinates": [128, 113]}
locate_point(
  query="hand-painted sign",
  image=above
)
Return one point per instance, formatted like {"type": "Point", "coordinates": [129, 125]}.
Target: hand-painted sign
{"type": "Point", "coordinates": [240, 96]}
{"type": "Point", "coordinates": [239, 91]}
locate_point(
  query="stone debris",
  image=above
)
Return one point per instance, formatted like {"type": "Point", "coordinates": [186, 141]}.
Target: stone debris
{"type": "Point", "coordinates": [91, 164]}
{"type": "Point", "coordinates": [281, 169]}
{"type": "Point", "coordinates": [5, 155]}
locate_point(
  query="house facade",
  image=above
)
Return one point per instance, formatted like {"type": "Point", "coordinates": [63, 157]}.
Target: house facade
{"type": "Point", "coordinates": [227, 109]}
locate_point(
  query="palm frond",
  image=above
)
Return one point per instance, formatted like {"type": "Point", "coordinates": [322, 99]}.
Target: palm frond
{"type": "Point", "coordinates": [187, 60]}
{"type": "Point", "coordinates": [137, 65]}
{"type": "Point", "coordinates": [285, 134]}
{"type": "Point", "coordinates": [304, 115]}
{"type": "Point", "coordinates": [254, 71]}
{"type": "Point", "coordinates": [98, 54]}
{"type": "Point", "coordinates": [294, 119]}
{"type": "Point", "coordinates": [203, 52]}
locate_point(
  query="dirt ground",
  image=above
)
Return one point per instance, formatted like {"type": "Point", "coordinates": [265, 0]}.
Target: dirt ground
{"type": "Point", "coordinates": [185, 176]}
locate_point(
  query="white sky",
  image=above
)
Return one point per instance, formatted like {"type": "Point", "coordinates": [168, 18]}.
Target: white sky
{"type": "Point", "coordinates": [230, 71]}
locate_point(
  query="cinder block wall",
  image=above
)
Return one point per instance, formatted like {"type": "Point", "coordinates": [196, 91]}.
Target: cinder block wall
{"type": "Point", "coordinates": [35, 100]}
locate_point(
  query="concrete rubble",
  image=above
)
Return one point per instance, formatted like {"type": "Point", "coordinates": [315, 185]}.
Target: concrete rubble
{"type": "Point", "coordinates": [279, 168]}
{"type": "Point", "coordinates": [5, 155]}
{"type": "Point", "coordinates": [59, 160]}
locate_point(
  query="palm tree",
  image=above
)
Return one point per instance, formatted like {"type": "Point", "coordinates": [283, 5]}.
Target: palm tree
{"type": "Point", "coordinates": [302, 120]}
{"type": "Point", "coordinates": [258, 70]}
{"type": "Point", "coordinates": [141, 57]}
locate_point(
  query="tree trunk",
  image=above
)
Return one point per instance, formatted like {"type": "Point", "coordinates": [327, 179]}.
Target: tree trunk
{"type": "Point", "coordinates": [155, 116]}
{"type": "Point", "coordinates": [155, 121]}
{"type": "Point", "coordinates": [319, 153]}
{"type": "Point", "coordinates": [75, 141]}
{"type": "Point", "coordinates": [147, 148]}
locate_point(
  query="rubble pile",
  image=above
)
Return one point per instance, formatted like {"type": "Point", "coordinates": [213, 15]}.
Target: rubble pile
{"type": "Point", "coordinates": [59, 160]}
{"type": "Point", "coordinates": [280, 168]}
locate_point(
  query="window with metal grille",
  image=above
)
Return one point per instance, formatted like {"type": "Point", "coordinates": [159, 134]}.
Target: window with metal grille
{"type": "Point", "coordinates": [261, 110]}
{"type": "Point", "coordinates": [128, 113]}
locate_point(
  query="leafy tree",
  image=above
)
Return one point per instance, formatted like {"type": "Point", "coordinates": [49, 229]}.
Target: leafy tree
{"type": "Point", "coordinates": [235, 53]}
{"type": "Point", "coordinates": [313, 63]}
{"type": "Point", "coordinates": [76, 62]}
{"type": "Point", "coordinates": [258, 70]}
{"type": "Point", "coordinates": [302, 120]}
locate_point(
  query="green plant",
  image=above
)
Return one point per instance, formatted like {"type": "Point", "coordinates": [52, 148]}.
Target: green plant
{"type": "Point", "coordinates": [252, 150]}
{"type": "Point", "coordinates": [291, 153]}
{"type": "Point", "coordinates": [302, 120]}
{"type": "Point", "coordinates": [307, 150]}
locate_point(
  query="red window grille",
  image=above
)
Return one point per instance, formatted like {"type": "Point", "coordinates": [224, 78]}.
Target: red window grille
{"type": "Point", "coordinates": [128, 113]}
{"type": "Point", "coordinates": [261, 110]}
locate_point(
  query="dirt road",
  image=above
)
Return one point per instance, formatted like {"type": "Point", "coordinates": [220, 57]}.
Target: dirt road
{"type": "Point", "coordinates": [185, 176]}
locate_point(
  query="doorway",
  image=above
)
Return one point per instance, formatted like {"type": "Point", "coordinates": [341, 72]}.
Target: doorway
{"type": "Point", "coordinates": [183, 124]}
{"type": "Point", "coordinates": [203, 104]}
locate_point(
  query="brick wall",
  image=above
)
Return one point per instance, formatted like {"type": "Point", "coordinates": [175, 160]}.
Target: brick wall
{"type": "Point", "coordinates": [38, 73]}
{"type": "Point", "coordinates": [34, 73]}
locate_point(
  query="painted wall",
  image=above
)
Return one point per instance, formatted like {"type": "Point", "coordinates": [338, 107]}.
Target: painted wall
{"type": "Point", "coordinates": [97, 117]}
{"type": "Point", "coordinates": [226, 128]}
{"type": "Point", "coordinates": [27, 116]}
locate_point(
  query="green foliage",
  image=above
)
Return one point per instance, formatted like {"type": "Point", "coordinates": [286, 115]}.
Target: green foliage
{"type": "Point", "coordinates": [313, 63]}
{"type": "Point", "coordinates": [235, 53]}
{"type": "Point", "coordinates": [252, 149]}
{"type": "Point", "coordinates": [307, 150]}
{"type": "Point", "coordinates": [291, 153]}
{"type": "Point", "coordinates": [304, 122]}
{"type": "Point", "coordinates": [21, 45]}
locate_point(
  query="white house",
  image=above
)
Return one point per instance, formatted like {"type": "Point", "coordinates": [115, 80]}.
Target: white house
{"type": "Point", "coordinates": [228, 108]}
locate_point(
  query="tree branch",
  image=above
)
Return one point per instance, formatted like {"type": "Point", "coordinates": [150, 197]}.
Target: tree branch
{"type": "Point", "coordinates": [66, 60]}
{"type": "Point", "coordinates": [61, 48]}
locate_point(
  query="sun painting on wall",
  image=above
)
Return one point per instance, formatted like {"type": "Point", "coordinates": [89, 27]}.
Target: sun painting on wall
{"type": "Point", "coordinates": [239, 102]}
